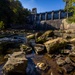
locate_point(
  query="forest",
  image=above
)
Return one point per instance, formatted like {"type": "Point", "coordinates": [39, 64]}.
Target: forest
{"type": "Point", "coordinates": [12, 12]}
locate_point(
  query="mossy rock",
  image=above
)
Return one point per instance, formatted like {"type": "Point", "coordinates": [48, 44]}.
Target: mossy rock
{"type": "Point", "coordinates": [44, 36]}
{"type": "Point", "coordinates": [38, 34]}
{"type": "Point", "coordinates": [41, 40]}
{"type": "Point", "coordinates": [48, 33]}
{"type": "Point", "coordinates": [18, 63]}
{"type": "Point", "coordinates": [54, 45]}
{"type": "Point", "coordinates": [72, 41]}
{"type": "Point", "coordinates": [32, 36]}
{"type": "Point", "coordinates": [26, 49]}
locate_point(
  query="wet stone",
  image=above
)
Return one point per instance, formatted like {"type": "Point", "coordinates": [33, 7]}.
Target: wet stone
{"type": "Point", "coordinates": [42, 66]}
{"type": "Point", "coordinates": [39, 49]}
{"type": "Point", "coordinates": [68, 68]}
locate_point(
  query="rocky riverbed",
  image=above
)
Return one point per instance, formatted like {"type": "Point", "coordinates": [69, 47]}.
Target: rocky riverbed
{"type": "Point", "coordinates": [57, 59]}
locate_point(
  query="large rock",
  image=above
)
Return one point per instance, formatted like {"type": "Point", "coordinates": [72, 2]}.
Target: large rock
{"type": "Point", "coordinates": [63, 60]}
{"type": "Point", "coordinates": [68, 68]}
{"type": "Point", "coordinates": [72, 41]}
{"type": "Point", "coordinates": [39, 48]}
{"type": "Point", "coordinates": [44, 37]}
{"type": "Point", "coordinates": [66, 51]}
{"type": "Point", "coordinates": [60, 61]}
{"type": "Point", "coordinates": [72, 58]}
{"type": "Point", "coordinates": [38, 34]}
{"type": "Point", "coordinates": [16, 64]}
{"type": "Point", "coordinates": [54, 45]}
{"type": "Point", "coordinates": [48, 33]}
{"type": "Point", "coordinates": [26, 49]}
{"type": "Point", "coordinates": [32, 36]}
{"type": "Point", "coordinates": [68, 60]}
{"type": "Point", "coordinates": [72, 54]}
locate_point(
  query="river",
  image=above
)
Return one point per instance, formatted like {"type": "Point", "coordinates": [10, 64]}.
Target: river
{"type": "Point", "coordinates": [31, 68]}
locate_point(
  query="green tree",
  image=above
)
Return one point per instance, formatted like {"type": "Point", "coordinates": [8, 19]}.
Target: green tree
{"type": "Point", "coordinates": [12, 12]}
{"type": "Point", "coordinates": [4, 11]}
{"type": "Point", "coordinates": [70, 7]}
{"type": "Point", "coordinates": [20, 13]}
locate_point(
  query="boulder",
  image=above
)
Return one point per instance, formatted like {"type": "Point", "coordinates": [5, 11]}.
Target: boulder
{"type": "Point", "coordinates": [48, 33]}
{"type": "Point", "coordinates": [68, 60]}
{"type": "Point", "coordinates": [38, 34]}
{"type": "Point", "coordinates": [66, 51]}
{"type": "Point", "coordinates": [16, 64]}
{"type": "Point", "coordinates": [42, 66]}
{"type": "Point", "coordinates": [26, 49]}
{"type": "Point", "coordinates": [32, 36]}
{"type": "Point", "coordinates": [7, 56]}
{"type": "Point", "coordinates": [72, 54]}
{"type": "Point", "coordinates": [67, 37]}
{"type": "Point", "coordinates": [41, 39]}
{"type": "Point", "coordinates": [60, 61]}
{"type": "Point", "coordinates": [39, 48]}
{"type": "Point", "coordinates": [68, 68]}
{"type": "Point", "coordinates": [44, 36]}
{"type": "Point", "coordinates": [72, 58]}
{"type": "Point", "coordinates": [72, 41]}
{"type": "Point", "coordinates": [54, 45]}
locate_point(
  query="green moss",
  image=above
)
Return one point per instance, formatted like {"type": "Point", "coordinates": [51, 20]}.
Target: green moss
{"type": "Point", "coordinates": [44, 36]}
{"type": "Point", "coordinates": [24, 47]}
{"type": "Point", "coordinates": [39, 34]}
{"type": "Point", "coordinates": [56, 46]}
{"type": "Point", "coordinates": [41, 40]}
{"type": "Point", "coordinates": [48, 34]}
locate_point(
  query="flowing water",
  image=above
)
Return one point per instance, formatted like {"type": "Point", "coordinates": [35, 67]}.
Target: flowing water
{"type": "Point", "coordinates": [9, 38]}
{"type": "Point", "coordinates": [1, 69]}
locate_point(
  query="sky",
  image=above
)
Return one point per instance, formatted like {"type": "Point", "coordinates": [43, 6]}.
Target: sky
{"type": "Point", "coordinates": [43, 5]}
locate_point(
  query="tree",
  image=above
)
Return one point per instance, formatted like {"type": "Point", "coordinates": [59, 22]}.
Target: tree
{"type": "Point", "coordinates": [20, 13]}
{"type": "Point", "coordinates": [5, 11]}
{"type": "Point", "coordinates": [12, 12]}
{"type": "Point", "coordinates": [70, 7]}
